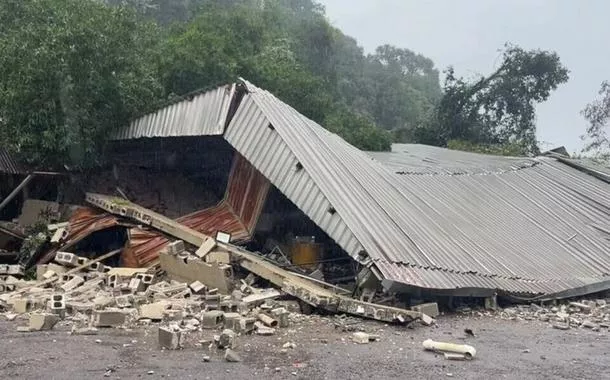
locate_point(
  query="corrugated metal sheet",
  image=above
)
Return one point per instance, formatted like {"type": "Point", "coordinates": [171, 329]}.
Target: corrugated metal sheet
{"type": "Point", "coordinates": [144, 245]}
{"type": "Point", "coordinates": [236, 214]}
{"type": "Point", "coordinates": [423, 216]}
{"type": "Point", "coordinates": [83, 223]}
{"type": "Point", "coordinates": [523, 223]}
{"type": "Point", "coordinates": [8, 163]}
{"type": "Point", "coordinates": [198, 115]}
{"type": "Point", "coordinates": [424, 159]}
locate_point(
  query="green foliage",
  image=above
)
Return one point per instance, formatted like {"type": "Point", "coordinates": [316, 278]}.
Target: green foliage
{"type": "Point", "coordinates": [500, 109]}
{"type": "Point", "coordinates": [358, 130]}
{"type": "Point", "coordinates": [597, 114]}
{"type": "Point", "coordinates": [72, 71]}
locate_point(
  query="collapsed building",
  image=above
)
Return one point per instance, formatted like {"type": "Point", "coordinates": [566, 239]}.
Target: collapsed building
{"type": "Point", "coordinates": [421, 222]}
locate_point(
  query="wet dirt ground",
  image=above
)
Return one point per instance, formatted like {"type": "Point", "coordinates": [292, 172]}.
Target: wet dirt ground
{"type": "Point", "coordinates": [505, 350]}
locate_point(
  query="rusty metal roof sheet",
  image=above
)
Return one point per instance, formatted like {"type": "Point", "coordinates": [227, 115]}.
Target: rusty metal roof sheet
{"type": "Point", "coordinates": [199, 114]}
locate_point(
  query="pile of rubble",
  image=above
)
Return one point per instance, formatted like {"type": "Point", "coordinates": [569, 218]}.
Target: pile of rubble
{"type": "Point", "coordinates": [591, 314]}
{"type": "Point", "coordinates": [86, 295]}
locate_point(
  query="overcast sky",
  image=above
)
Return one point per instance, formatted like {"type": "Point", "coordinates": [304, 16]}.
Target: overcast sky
{"type": "Point", "coordinates": [468, 34]}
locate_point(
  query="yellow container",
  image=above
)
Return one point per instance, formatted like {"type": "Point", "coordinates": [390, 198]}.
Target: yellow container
{"type": "Point", "coordinates": [305, 252]}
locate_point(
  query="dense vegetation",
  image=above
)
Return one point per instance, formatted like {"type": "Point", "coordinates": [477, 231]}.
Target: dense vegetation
{"type": "Point", "coordinates": [73, 70]}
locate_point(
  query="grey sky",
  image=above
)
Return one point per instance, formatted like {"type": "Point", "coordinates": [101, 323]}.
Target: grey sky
{"type": "Point", "coordinates": [468, 34]}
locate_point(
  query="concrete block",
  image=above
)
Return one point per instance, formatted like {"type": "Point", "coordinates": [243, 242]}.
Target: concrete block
{"type": "Point", "coordinates": [136, 285]}
{"type": "Point", "coordinates": [197, 287]}
{"type": "Point", "coordinates": [96, 267]}
{"type": "Point", "coordinates": [66, 277]}
{"type": "Point", "coordinates": [108, 318]}
{"type": "Point", "coordinates": [211, 319]}
{"type": "Point", "coordinates": [213, 275]}
{"type": "Point", "coordinates": [58, 304]}
{"type": "Point", "coordinates": [112, 281]}
{"type": "Point", "coordinates": [48, 275]}
{"type": "Point", "coordinates": [3, 268]}
{"type": "Point", "coordinates": [218, 256]}
{"type": "Point", "coordinates": [82, 260]}
{"type": "Point", "coordinates": [175, 247]}
{"type": "Point", "coordinates": [67, 259]}
{"type": "Point", "coordinates": [430, 309]}
{"type": "Point", "coordinates": [246, 325]}
{"type": "Point", "coordinates": [72, 284]}
{"type": "Point", "coordinates": [153, 311]}
{"type": "Point", "coordinates": [208, 245]}
{"type": "Point", "coordinates": [42, 321]}
{"type": "Point", "coordinates": [21, 305]}
{"type": "Point", "coordinates": [231, 321]}
{"type": "Point", "coordinates": [169, 339]}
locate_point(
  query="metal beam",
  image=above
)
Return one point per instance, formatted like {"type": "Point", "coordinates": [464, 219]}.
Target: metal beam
{"type": "Point", "coordinates": [16, 191]}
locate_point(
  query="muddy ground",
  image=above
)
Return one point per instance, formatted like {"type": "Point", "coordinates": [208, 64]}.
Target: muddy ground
{"type": "Point", "coordinates": [505, 350]}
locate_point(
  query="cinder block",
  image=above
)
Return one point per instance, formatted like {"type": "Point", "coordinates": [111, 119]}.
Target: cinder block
{"type": "Point", "coordinates": [246, 324]}
{"type": "Point", "coordinates": [66, 277]}
{"type": "Point", "coordinates": [211, 319]}
{"type": "Point", "coordinates": [66, 259]}
{"type": "Point", "coordinates": [96, 267]}
{"type": "Point", "coordinates": [108, 318]}
{"type": "Point", "coordinates": [169, 339]}
{"type": "Point", "coordinates": [82, 260]}
{"type": "Point", "coordinates": [148, 279]}
{"type": "Point", "coordinates": [231, 321]}
{"type": "Point", "coordinates": [430, 309]}
{"type": "Point", "coordinates": [3, 268]}
{"type": "Point", "coordinates": [175, 247]}
{"type": "Point", "coordinates": [112, 281]}
{"type": "Point", "coordinates": [136, 285]}
{"type": "Point", "coordinates": [72, 284]}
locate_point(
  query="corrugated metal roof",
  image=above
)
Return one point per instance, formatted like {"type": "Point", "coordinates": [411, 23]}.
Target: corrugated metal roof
{"type": "Point", "coordinates": [425, 216]}
{"type": "Point", "coordinates": [528, 222]}
{"type": "Point", "coordinates": [424, 159]}
{"type": "Point", "coordinates": [8, 163]}
{"type": "Point", "coordinates": [199, 114]}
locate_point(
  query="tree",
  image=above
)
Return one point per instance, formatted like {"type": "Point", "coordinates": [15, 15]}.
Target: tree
{"type": "Point", "coordinates": [358, 130]}
{"type": "Point", "coordinates": [500, 108]}
{"type": "Point", "coordinates": [72, 71]}
{"type": "Point", "coordinates": [597, 114]}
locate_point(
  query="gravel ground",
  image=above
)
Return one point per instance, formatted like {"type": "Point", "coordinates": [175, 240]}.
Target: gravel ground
{"type": "Point", "coordinates": [505, 349]}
